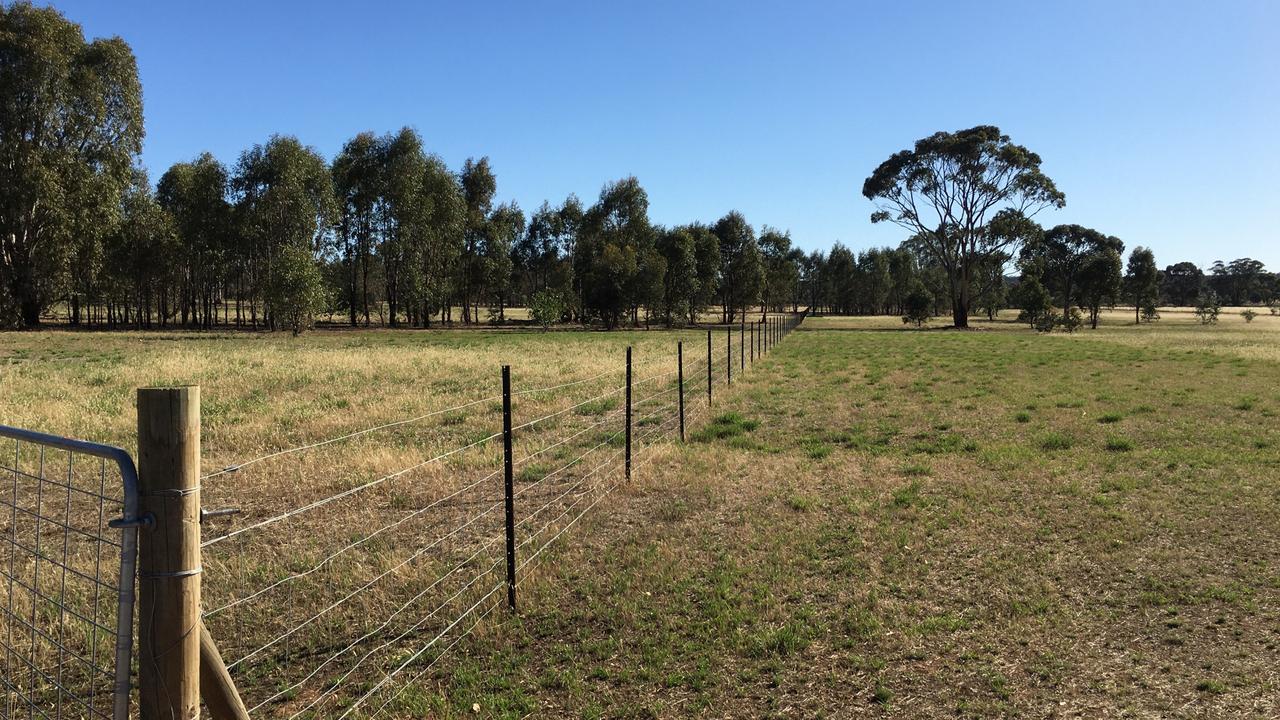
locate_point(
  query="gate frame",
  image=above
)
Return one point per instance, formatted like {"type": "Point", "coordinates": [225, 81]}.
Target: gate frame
{"type": "Point", "coordinates": [128, 526]}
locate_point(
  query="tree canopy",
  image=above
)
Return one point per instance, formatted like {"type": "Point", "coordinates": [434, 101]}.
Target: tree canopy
{"type": "Point", "coordinates": [965, 196]}
{"type": "Point", "coordinates": [70, 131]}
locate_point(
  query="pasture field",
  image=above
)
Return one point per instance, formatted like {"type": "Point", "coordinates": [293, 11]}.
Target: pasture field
{"type": "Point", "coordinates": [872, 521]}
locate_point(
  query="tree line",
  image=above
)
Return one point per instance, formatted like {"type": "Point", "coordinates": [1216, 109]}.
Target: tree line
{"type": "Point", "coordinates": [969, 200]}
{"type": "Point", "coordinates": [385, 233]}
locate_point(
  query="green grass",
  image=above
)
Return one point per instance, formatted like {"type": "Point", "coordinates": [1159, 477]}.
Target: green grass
{"type": "Point", "coordinates": [1056, 441]}
{"type": "Point", "coordinates": [957, 567]}
{"type": "Point", "coordinates": [725, 426]}
{"type": "Point", "coordinates": [872, 522]}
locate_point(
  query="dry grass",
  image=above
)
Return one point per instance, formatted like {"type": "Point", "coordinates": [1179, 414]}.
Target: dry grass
{"type": "Point", "coordinates": [879, 522]}
{"type": "Point", "coordinates": [416, 534]}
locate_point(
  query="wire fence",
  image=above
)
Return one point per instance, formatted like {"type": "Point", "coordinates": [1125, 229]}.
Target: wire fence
{"type": "Point", "coordinates": [360, 560]}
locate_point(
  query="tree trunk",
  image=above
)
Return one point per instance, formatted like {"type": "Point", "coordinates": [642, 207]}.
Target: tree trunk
{"type": "Point", "coordinates": [960, 304]}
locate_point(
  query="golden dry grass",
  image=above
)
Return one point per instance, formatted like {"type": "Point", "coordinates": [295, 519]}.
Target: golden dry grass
{"type": "Point", "coordinates": [879, 521]}
{"type": "Point", "coordinates": [369, 567]}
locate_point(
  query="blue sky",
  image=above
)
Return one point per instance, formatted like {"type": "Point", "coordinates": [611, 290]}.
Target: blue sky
{"type": "Point", "coordinates": [1158, 119]}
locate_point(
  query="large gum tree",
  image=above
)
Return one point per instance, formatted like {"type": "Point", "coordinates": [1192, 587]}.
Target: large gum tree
{"type": "Point", "coordinates": [70, 130]}
{"type": "Point", "coordinates": [967, 197]}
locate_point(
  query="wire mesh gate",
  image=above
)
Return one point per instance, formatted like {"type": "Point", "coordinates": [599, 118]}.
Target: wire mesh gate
{"type": "Point", "coordinates": [68, 519]}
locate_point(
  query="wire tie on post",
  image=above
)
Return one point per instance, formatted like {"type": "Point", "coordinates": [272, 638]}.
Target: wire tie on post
{"type": "Point", "coordinates": [173, 492]}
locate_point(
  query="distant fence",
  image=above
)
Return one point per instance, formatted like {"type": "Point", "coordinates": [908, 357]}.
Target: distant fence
{"type": "Point", "coordinates": [322, 606]}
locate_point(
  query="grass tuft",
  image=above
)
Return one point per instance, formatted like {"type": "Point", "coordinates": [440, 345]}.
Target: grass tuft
{"type": "Point", "coordinates": [1119, 444]}
{"type": "Point", "coordinates": [1056, 441]}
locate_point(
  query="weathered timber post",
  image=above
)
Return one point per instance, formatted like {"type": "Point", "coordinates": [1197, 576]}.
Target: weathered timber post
{"type": "Point", "coordinates": [169, 554]}
{"type": "Point", "coordinates": [216, 687]}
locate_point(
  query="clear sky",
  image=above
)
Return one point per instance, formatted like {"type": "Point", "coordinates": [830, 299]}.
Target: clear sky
{"type": "Point", "coordinates": [1158, 119]}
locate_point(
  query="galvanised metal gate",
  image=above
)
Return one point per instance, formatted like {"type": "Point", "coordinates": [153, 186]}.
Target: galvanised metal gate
{"type": "Point", "coordinates": [68, 547]}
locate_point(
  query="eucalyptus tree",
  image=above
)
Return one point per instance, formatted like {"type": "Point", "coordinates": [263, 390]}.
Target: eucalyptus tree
{"type": "Point", "coordinates": [993, 295]}
{"type": "Point", "coordinates": [1142, 283]}
{"type": "Point", "coordinates": [680, 284]}
{"type": "Point", "coordinates": [741, 266]}
{"type": "Point", "coordinates": [142, 255]}
{"type": "Point", "coordinates": [437, 240]}
{"type": "Point", "coordinates": [706, 251]}
{"type": "Point", "coordinates": [648, 286]}
{"type": "Point", "coordinates": [195, 194]}
{"type": "Point", "coordinates": [70, 132]}
{"type": "Point", "coordinates": [478, 189]}
{"type": "Point", "coordinates": [1100, 281]}
{"type": "Point", "coordinates": [358, 178]}
{"type": "Point", "coordinates": [612, 245]}
{"type": "Point", "coordinates": [401, 200]}
{"type": "Point", "coordinates": [1030, 295]}
{"type": "Point", "coordinates": [1182, 283]}
{"type": "Point", "coordinates": [903, 273]}
{"type": "Point", "coordinates": [503, 227]}
{"type": "Point", "coordinates": [781, 272]}
{"type": "Point", "coordinates": [1239, 281]}
{"type": "Point", "coordinates": [1063, 251]}
{"type": "Point", "coordinates": [840, 286]}
{"type": "Point", "coordinates": [812, 276]}
{"type": "Point", "coordinates": [874, 281]}
{"type": "Point", "coordinates": [535, 252]}
{"type": "Point", "coordinates": [950, 189]}
{"type": "Point", "coordinates": [286, 206]}
{"type": "Point", "coordinates": [540, 254]}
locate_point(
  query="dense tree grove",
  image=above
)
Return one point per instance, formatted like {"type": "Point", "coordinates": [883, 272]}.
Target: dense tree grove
{"type": "Point", "coordinates": [387, 234]}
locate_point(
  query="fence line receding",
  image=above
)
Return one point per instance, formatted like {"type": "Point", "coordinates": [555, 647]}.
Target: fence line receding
{"type": "Point", "coordinates": [355, 563]}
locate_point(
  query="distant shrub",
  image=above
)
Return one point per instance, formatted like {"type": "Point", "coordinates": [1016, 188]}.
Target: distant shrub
{"type": "Point", "coordinates": [1071, 320]}
{"type": "Point", "coordinates": [1150, 313]}
{"type": "Point", "coordinates": [1031, 296]}
{"type": "Point", "coordinates": [918, 305]}
{"type": "Point", "coordinates": [1207, 307]}
{"type": "Point", "coordinates": [1248, 315]}
{"type": "Point", "coordinates": [546, 307]}
{"type": "Point", "coordinates": [1046, 321]}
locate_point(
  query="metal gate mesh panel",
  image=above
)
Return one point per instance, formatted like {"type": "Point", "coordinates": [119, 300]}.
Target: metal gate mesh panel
{"type": "Point", "coordinates": [65, 615]}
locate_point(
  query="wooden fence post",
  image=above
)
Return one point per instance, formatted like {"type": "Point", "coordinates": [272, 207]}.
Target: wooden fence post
{"type": "Point", "coordinates": [169, 554]}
